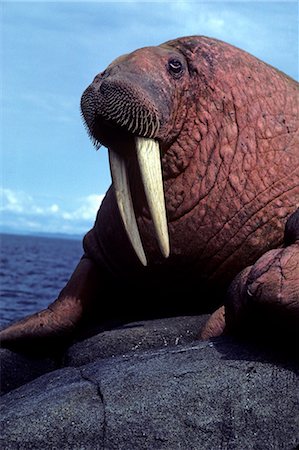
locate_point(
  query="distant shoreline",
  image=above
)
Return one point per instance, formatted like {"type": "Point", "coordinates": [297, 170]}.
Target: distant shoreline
{"type": "Point", "coordinates": [71, 237]}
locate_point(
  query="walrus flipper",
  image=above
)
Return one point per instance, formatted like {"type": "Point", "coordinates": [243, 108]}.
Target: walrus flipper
{"type": "Point", "coordinates": [263, 299]}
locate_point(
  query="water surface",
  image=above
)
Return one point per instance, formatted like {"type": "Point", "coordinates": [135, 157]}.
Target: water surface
{"type": "Point", "coordinates": [33, 270]}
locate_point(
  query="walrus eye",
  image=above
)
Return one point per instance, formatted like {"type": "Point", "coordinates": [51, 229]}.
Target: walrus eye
{"type": "Point", "coordinates": [175, 67]}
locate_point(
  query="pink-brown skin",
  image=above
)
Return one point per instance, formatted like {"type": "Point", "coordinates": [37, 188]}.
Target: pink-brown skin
{"type": "Point", "coordinates": [227, 125]}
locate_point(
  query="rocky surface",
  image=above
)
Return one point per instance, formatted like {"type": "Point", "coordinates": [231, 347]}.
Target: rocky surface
{"type": "Point", "coordinates": [18, 369]}
{"type": "Point", "coordinates": [158, 390]}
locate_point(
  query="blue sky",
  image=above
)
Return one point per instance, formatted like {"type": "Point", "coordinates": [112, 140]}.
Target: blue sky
{"type": "Point", "coordinates": [52, 179]}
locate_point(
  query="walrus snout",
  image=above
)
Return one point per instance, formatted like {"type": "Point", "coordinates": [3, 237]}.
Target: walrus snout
{"type": "Point", "coordinates": [119, 104]}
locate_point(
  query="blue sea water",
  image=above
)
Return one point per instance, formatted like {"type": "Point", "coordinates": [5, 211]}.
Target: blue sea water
{"type": "Point", "coordinates": [33, 270]}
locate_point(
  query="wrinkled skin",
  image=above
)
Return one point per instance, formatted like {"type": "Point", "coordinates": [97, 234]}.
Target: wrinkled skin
{"type": "Point", "coordinates": [264, 296]}
{"type": "Point", "coordinates": [227, 127]}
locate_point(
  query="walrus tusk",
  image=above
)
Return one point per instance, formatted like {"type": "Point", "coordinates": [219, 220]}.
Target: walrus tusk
{"type": "Point", "coordinates": [124, 202]}
{"type": "Point", "coordinates": [148, 155]}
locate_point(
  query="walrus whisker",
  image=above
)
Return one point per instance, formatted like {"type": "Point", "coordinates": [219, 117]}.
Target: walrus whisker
{"type": "Point", "coordinates": [136, 125]}
{"type": "Point", "coordinates": [95, 142]}
{"type": "Point", "coordinates": [152, 127]}
{"type": "Point", "coordinates": [147, 122]}
{"type": "Point", "coordinates": [144, 122]}
{"type": "Point", "coordinates": [126, 120]}
{"type": "Point", "coordinates": [131, 124]}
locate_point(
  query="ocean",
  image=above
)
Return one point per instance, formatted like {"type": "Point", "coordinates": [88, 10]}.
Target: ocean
{"type": "Point", "coordinates": [33, 270]}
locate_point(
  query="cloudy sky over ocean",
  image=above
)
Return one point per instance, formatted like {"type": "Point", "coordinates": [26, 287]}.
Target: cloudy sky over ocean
{"type": "Point", "coordinates": [52, 179]}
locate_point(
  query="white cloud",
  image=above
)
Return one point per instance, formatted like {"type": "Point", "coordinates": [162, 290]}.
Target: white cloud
{"type": "Point", "coordinates": [54, 208]}
{"type": "Point", "coordinates": [13, 201]}
{"type": "Point", "coordinates": [87, 210]}
{"type": "Point", "coordinates": [18, 202]}
{"type": "Point", "coordinates": [22, 212]}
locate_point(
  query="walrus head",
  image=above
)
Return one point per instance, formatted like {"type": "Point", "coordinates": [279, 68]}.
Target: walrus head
{"type": "Point", "coordinates": [210, 113]}
{"type": "Point", "coordinates": [130, 108]}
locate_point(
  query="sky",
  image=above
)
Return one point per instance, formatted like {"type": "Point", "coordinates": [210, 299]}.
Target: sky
{"type": "Point", "coordinates": [52, 179]}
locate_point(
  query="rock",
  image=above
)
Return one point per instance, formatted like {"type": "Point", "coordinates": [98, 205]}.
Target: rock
{"type": "Point", "coordinates": [134, 337]}
{"type": "Point", "coordinates": [197, 395]}
{"type": "Point", "coordinates": [57, 411]}
{"type": "Point", "coordinates": [18, 369]}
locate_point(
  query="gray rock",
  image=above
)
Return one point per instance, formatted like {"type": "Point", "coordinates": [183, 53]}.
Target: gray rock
{"type": "Point", "coordinates": [18, 369]}
{"type": "Point", "coordinates": [57, 411]}
{"type": "Point", "coordinates": [201, 395]}
{"type": "Point", "coordinates": [134, 337]}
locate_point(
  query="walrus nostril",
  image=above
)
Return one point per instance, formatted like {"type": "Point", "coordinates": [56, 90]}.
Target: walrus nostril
{"type": "Point", "coordinates": [105, 87]}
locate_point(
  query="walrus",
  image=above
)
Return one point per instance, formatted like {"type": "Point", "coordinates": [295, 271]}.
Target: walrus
{"type": "Point", "coordinates": [203, 150]}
